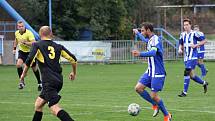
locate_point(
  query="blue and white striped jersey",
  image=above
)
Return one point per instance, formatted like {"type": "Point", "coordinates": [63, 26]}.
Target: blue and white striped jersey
{"type": "Point", "coordinates": [201, 49]}
{"type": "Point", "coordinates": [155, 63]}
{"type": "Point", "coordinates": [186, 39]}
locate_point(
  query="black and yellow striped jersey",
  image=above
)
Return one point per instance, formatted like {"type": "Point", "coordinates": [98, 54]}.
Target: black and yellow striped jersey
{"type": "Point", "coordinates": [48, 54]}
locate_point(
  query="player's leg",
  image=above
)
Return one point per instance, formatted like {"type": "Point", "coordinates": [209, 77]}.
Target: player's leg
{"type": "Point", "coordinates": [39, 103]}
{"type": "Point", "coordinates": [189, 65]}
{"type": "Point", "coordinates": [196, 78]}
{"type": "Point", "coordinates": [187, 72]}
{"type": "Point", "coordinates": [60, 113]}
{"type": "Point", "coordinates": [56, 109]}
{"type": "Point", "coordinates": [156, 86]}
{"type": "Point", "coordinates": [51, 94]}
{"type": "Point", "coordinates": [19, 71]}
{"type": "Point", "coordinates": [19, 67]}
{"type": "Point", "coordinates": [144, 82]}
{"type": "Point", "coordinates": [22, 56]}
{"type": "Point", "coordinates": [202, 67]}
{"type": "Point", "coordinates": [37, 75]}
{"type": "Point", "coordinates": [159, 101]}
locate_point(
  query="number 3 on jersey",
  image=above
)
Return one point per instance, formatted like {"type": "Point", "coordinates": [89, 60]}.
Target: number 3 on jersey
{"type": "Point", "coordinates": [51, 52]}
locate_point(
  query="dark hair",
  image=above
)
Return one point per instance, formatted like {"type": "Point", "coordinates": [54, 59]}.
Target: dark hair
{"type": "Point", "coordinates": [148, 26]}
{"type": "Point", "coordinates": [196, 26]}
{"type": "Point", "coordinates": [187, 20]}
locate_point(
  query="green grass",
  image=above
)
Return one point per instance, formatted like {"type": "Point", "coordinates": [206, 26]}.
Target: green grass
{"type": "Point", "coordinates": [103, 92]}
{"type": "Point", "coordinates": [210, 37]}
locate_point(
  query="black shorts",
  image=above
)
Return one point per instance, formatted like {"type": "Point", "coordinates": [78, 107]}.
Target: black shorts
{"type": "Point", "coordinates": [50, 93]}
{"type": "Point", "coordinates": [24, 55]}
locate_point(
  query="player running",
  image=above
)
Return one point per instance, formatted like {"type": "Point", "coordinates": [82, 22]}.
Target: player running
{"type": "Point", "coordinates": [188, 44]}
{"type": "Point", "coordinates": [154, 76]}
{"type": "Point", "coordinates": [48, 54]}
{"type": "Point", "coordinates": [201, 53]}
{"type": "Point", "coordinates": [24, 39]}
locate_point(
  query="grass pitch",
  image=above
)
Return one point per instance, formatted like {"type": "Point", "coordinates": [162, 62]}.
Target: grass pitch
{"type": "Point", "coordinates": [103, 92]}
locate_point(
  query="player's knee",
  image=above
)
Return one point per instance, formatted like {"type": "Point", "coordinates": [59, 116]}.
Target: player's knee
{"type": "Point", "coordinates": [54, 112]}
{"type": "Point", "coordinates": [187, 72]}
{"type": "Point", "coordinates": [55, 109]}
{"type": "Point", "coordinates": [200, 61]}
{"type": "Point", "coordinates": [138, 89]}
{"type": "Point", "coordinates": [38, 107]}
{"type": "Point", "coordinates": [155, 96]}
{"type": "Point", "coordinates": [18, 65]}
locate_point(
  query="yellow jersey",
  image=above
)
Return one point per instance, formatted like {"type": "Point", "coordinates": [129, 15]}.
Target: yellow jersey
{"type": "Point", "coordinates": [26, 36]}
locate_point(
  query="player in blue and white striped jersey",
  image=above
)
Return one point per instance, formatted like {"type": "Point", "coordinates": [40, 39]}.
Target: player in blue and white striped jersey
{"type": "Point", "coordinates": [201, 52]}
{"type": "Point", "coordinates": [188, 46]}
{"type": "Point", "coordinates": [154, 76]}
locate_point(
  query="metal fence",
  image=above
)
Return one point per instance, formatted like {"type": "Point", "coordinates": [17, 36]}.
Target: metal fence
{"type": "Point", "coordinates": [210, 50]}
{"type": "Point", "coordinates": [170, 17]}
{"type": "Point", "coordinates": [1, 48]}
{"type": "Point", "coordinates": [7, 29]}
{"type": "Point", "coordinates": [1, 45]}
{"type": "Point", "coordinates": [121, 51]}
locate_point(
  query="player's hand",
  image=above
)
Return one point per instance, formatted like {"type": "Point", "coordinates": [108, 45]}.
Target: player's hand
{"type": "Point", "coordinates": [135, 31]}
{"type": "Point", "coordinates": [14, 52]}
{"type": "Point", "coordinates": [193, 46]}
{"type": "Point", "coordinates": [24, 42]}
{"type": "Point", "coordinates": [135, 53]}
{"type": "Point", "coordinates": [180, 51]}
{"type": "Point", "coordinates": [72, 76]}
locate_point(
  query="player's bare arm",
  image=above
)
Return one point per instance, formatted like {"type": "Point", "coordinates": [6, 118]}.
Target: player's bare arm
{"type": "Point", "coordinates": [199, 44]}
{"type": "Point", "coordinates": [14, 46]}
{"type": "Point", "coordinates": [180, 49]}
{"type": "Point", "coordinates": [72, 75]}
{"type": "Point", "coordinates": [24, 73]}
{"type": "Point", "coordinates": [28, 43]}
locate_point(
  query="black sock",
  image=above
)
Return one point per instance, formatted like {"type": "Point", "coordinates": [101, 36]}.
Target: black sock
{"type": "Point", "coordinates": [19, 71]}
{"type": "Point", "coordinates": [37, 74]}
{"type": "Point", "coordinates": [64, 116]}
{"type": "Point", "coordinates": [37, 116]}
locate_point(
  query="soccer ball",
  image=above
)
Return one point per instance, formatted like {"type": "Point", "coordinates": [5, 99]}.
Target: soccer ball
{"type": "Point", "coordinates": [134, 109]}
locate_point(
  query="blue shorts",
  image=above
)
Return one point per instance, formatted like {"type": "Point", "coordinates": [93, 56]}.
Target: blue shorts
{"type": "Point", "coordinates": [191, 64]}
{"type": "Point", "coordinates": [155, 83]}
{"type": "Point", "coordinates": [201, 55]}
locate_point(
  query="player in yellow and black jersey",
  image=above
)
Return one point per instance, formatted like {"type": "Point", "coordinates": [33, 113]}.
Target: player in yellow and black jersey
{"type": "Point", "coordinates": [24, 39]}
{"type": "Point", "coordinates": [48, 54]}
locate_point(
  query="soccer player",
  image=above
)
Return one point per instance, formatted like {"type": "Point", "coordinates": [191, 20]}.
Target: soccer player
{"type": "Point", "coordinates": [24, 39]}
{"type": "Point", "coordinates": [201, 52]}
{"type": "Point", "coordinates": [154, 76]}
{"type": "Point", "coordinates": [48, 54]}
{"type": "Point", "coordinates": [188, 44]}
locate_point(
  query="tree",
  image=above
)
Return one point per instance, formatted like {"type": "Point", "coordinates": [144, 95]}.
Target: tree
{"type": "Point", "coordinates": [106, 18]}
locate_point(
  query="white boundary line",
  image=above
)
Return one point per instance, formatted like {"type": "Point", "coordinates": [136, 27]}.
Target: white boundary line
{"type": "Point", "coordinates": [114, 106]}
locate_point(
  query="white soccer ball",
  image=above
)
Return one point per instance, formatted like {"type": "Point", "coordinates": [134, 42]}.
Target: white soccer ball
{"type": "Point", "coordinates": [134, 109]}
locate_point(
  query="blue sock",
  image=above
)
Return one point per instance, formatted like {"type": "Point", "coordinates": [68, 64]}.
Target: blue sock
{"type": "Point", "coordinates": [186, 83]}
{"type": "Point", "coordinates": [203, 69]}
{"type": "Point", "coordinates": [197, 79]}
{"type": "Point", "coordinates": [145, 95]}
{"type": "Point", "coordinates": [162, 108]}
